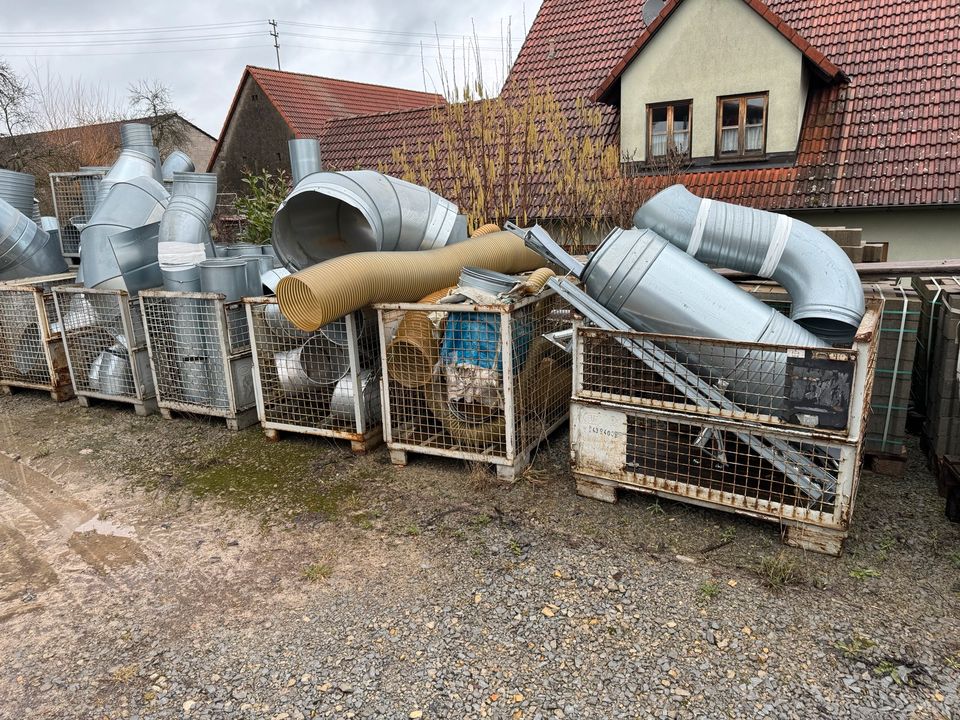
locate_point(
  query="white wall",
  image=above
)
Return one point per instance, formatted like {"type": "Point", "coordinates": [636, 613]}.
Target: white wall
{"type": "Point", "coordinates": [708, 48]}
{"type": "Point", "coordinates": [913, 234]}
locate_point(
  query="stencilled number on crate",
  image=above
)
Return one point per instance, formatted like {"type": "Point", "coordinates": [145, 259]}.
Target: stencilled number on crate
{"type": "Point", "coordinates": [599, 436]}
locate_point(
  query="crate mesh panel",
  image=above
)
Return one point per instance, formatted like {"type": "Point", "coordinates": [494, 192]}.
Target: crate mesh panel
{"type": "Point", "coordinates": [449, 373]}
{"type": "Point", "coordinates": [704, 462]}
{"type": "Point", "coordinates": [186, 347]}
{"type": "Point", "coordinates": [22, 355]}
{"type": "Point", "coordinates": [773, 384]}
{"type": "Point", "coordinates": [306, 379]}
{"type": "Point", "coordinates": [101, 353]}
{"type": "Point", "coordinates": [73, 196]}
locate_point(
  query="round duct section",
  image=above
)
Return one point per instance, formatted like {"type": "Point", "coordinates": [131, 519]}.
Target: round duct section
{"type": "Point", "coordinates": [25, 249]}
{"type": "Point", "coordinates": [822, 282]}
{"type": "Point", "coordinates": [130, 164]}
{"type": "Point", "coordinates": [304, 158]}
{"type": "Point", "coordinates": [176, 162]}
{"type": "Point", "coordinates": [329, 214]}
{"type": "Point", "coordinates": [18, 189]}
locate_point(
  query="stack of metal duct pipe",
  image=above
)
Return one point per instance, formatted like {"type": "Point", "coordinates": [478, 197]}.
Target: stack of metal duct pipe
{"type": "Point", "coordinates": [185, 227]}
{"type": "Point", "coordinates": [826, 294]}
{"type": "Point", "coordinates": [139, 136]}
{"type": "Point", "coordinates": [118, 250]}
{"type": "Point", "coordinates": [25, 249]}
{"type": "Point", "coordinates": [17, 189]}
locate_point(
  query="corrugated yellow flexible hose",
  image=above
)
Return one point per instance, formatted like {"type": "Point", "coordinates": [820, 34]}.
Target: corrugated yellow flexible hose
{"type": "Point", "coordinates": [485, 230]}
{"type": "Point", "coordinates": [537, 279]}
{"type": "Point", "coordinates": [415, 347]}
{"type": "Point", "coordinates": [320, 294]}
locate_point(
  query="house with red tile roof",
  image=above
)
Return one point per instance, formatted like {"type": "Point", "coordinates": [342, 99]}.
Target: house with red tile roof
{"type": "Point", "coordinates": [271, 107]}
{"type": "Point", "coordinates": [838, 113]}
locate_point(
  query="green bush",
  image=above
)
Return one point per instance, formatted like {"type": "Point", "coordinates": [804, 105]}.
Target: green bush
{"type": "Point", "coordinates": [258, 205]}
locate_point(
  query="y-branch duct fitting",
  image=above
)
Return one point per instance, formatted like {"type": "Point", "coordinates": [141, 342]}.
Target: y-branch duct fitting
{"type": "Point", "coordinates": [329, 214]}
{"type": "Point", "coordinates": [822, 282]}
{"type": "Point", "coordinates": [320, 294]}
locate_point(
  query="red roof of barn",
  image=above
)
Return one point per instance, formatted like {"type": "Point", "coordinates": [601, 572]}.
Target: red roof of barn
{"type": "Point", "coordinates": [888, 136]}
{"type": "Point", "coordinates": [308, 102]}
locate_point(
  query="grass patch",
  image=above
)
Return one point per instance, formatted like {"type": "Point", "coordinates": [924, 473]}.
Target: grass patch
{"type": "Point", "coordinates": [779, 571]}
{"type": "Point", "coordinates": [316, 572]}
{"type": "Point", "coordinates": [864, 573]}
{"type": "Point", "coordinates": [708, 590]}
{"type": "Point", "coordinates": [886, 545]}
{"type": "Point", "coordinates": [855, 646]}
{"type": "Point", "coordinates": [728, 534]}
{"type": "Point", "coordinates": [412, 530]}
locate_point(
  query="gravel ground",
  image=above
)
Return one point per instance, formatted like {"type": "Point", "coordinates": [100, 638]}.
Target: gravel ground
{"type": "Point", "coordinates": [154, 569]}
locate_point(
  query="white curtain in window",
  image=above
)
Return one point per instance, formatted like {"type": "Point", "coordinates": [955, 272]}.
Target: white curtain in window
{"type": "Point", "coordinates": [659, 145]}
{"type": "Point", "coordinates": [754, 137]}
{"type": "Point", "coordinates": [728, 140]}
{"type": "Point", "coordinates": [681, 141]}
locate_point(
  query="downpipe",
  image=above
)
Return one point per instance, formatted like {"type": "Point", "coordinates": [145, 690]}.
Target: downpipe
{"type": "Point", "coordinates": [823, 284]}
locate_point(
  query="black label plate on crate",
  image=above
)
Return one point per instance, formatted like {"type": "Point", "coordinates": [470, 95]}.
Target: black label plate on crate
{"type": "Point", "coordinates": [818, 387]}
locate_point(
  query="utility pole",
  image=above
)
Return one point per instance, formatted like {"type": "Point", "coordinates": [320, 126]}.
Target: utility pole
{"type": "Point", "coordinates": [274, 33]}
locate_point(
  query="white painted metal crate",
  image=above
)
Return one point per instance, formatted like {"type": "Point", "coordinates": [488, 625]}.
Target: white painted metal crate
{"type": "Point", "coordinates": [74, 195]}
{"type": "Point", "coordinates": [31, 348]}
{"type": "Point", "coordinates": [104, 338]}
{"type": "Point", "coordinates": [305, 381]}
{"type": "Point", "coordinates": [200, 355]}
{"type": "Point", "coordinates": [473, 382]}
{"type": "Point", "coordinates": [780, 438]}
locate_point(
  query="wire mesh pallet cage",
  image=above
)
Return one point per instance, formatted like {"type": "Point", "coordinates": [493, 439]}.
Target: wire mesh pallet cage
{"type": "Point", "coordinates": [31, 348]}
{"type": "Point", "coordinates": [474, 382]}
{"type": "Point", "coordinates": [773, 432]}
{"type": "Point", "coordinates": [306, 381]}
{"type": "Point", "coordinates": [200, 354]}
{"type": "Point", "coordinates": [105, 341]}
{"type": "Point", "coordinates": [74, 195]}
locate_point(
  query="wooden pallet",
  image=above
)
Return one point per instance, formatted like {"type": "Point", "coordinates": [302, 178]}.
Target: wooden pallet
{"type": "Point", "coordinates": [142, 408]}
{"type": "Point", "coordinates": [234, 421]}
{"type": "Point", "coordinates": [891, 464]}
{"type": "Point", "coordinates": [814, 538]}
{"type": "Point", "coordinates": [58, 394]}
{"type": "Point", "coordinates": [359, 444]}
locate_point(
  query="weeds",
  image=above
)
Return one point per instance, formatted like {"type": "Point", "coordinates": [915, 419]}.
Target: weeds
{"type": "Point", "coordinates": [316, 572]}
{"type": "Point", "coordinates": [412, 530]}
{"type": "Point", "coordinates": [729, 534]}
{"type": "Point", "coordinates": [864, 573]}
{"type": "Point", "coordinates": [779, 571]}
{"type": "Point", "coordinates": [708, 590]}
{"type": "Point", "coordinates": [886, 667]}
{"type": "Point", "coordinates": [855, 646]}
{"type": "Point", "coordinates": [886, 545]}
{"type": "Point", "coordinates": [655, 508]}
{"type": "Point", "coordinates": [515, 548]}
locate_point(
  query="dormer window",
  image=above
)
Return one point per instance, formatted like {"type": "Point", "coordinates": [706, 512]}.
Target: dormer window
{"type": "Point", "coordinates": [668, 129]}
{"type": "Point", "coordinates": [741, 126]}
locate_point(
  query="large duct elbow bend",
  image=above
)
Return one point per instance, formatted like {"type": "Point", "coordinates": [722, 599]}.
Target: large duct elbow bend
{"type": "Point", "coordinates": [176, 162]}
{"type": "Point", "coordinates": [25, 249]}
{"type": "Point", "coordinates": [186, 220]}
{"type": "Point", "coordinates": [200, 186]}
{"type": "Point", "coordinates": [329, 214]}
{"type": "Point", "coordinates": [823, 285]}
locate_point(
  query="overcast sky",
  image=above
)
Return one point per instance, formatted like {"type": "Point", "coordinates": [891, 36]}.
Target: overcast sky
{"type": "Point", "coordinates": [198, 49]}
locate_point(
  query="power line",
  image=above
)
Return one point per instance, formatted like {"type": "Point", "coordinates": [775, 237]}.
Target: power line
{"type": "Point", "coordinates": [169, 28]}
{"type": "Point", "coordinates": [109, 43]}
{"type": "Point", "coordinates": [128, 53]}
{"type": "Point", "coordinates": [387, 42]}
{"type": "Point", "coordinates": [432, 36]}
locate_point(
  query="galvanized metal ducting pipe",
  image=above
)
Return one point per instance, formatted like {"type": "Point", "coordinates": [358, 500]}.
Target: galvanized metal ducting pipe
{"type": "Point", "coordinates": [187, 217]}
{"type": "Point", "coordinates": [320, 294]}
{"type": "Point", "coordinates": [18, 189]}
{"type": "Point", "coordinates": [822, 282]}
{"type": "Point", "coordinates": [139, 136]}
{"type": "Point", "coordinates": [202, 186]}
{"type": "Point", "coordinates": [304, 158]}
{"type": "Point", "coordinates": [654, 286]}
{"type": "Point", "coordinates": [176, 162]}
{"type": "Point", "coordinates": [130, 204]}
{"type": "Point", "coordinates": [130, 164]}
{"type": "Point", "coordinates": [329, 214]}
{"type": "Point", "coordinates": [124, 261]}
{"type": "Point", "coordinates": [25, 249]}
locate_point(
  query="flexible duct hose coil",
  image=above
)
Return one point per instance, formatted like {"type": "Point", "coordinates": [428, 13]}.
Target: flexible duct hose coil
{"type": "Point", "coordinates": [322, 293]}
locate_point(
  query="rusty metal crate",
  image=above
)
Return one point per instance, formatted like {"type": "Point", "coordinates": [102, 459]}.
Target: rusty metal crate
{"type": "Point", "coordinates": [793, 458]}
{"type": "Point", "coordinates": [106, 346]}
{"type": "Point", "coordinates": [473, 382]}
{"type": "Point", "coordinates": [200, 354]}
{"type": "Point", "coordinates": [74, 195]}
{"type": "Point", "coordinates": [305, 381]}
{"type": "Point", "coordinates": [31, 348]}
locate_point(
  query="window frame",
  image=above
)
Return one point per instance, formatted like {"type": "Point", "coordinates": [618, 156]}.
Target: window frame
{"type": "Point", "coordinates": [669, 105]}
{"type": "Point", "coordinates": [742, 152]}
